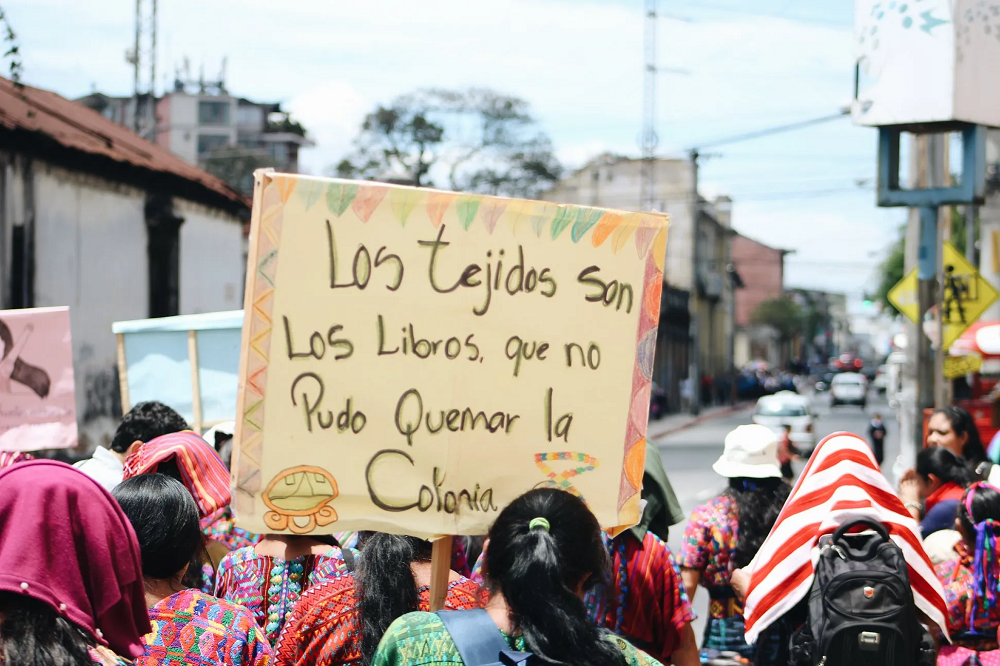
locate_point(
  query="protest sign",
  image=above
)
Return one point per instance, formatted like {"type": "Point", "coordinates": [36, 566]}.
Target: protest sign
{"type": "Point", "coordinates": [413, 359]}
{"type": "Point", "coordinates": [37, 396]}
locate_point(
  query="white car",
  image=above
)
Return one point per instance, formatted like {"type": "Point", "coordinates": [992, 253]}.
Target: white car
{"type": "Point", "coordinates": [791, 409]}
{"type": "Point", "coordinates": [849, 388]}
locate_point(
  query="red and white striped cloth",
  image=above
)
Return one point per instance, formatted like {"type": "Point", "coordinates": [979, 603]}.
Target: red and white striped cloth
{"type": "Point", "coordinates": [840, 484]}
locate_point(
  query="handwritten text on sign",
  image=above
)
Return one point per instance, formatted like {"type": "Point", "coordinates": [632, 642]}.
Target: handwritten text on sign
{"type": "Point", "coordinates": [413, 360]}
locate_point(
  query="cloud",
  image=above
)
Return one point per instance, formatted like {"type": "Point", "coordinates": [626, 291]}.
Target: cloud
{"type": "Point", "coordinates": [333, 111]}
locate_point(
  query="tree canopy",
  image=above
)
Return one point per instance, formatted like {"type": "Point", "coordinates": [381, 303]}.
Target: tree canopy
{"type": "Point", "coordinates": [475, 140]}
{"type": "Point", "coordinates": [782, 314]}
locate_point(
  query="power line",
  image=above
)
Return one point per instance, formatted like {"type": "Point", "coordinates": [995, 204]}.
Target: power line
{"type": "Point", "coordinates": [843, 113]}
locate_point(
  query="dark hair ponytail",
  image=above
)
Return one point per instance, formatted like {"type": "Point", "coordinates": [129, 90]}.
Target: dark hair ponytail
{"type": "Point", "coordinates": [758, 503]}
{"type": "Point", "coordinates": [385, 586]}
{"type": "Point", "coordinates": [943, 464]}
{"type": "Point", "coordinates": [539, 570]}
{"type": "Point", "coordinates": [33, 634]}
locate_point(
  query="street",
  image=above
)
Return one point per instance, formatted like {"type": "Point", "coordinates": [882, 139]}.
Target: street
{"type": "Point", "coordinates": [688, 456]}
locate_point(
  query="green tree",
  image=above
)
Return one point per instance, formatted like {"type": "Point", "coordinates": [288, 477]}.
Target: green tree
{"type": "Point", "coordinates": [236, 165]}
{"type": "Point", "coordinates": [475, 140]}
{"type": "Point", "coordinates": [783, 315]}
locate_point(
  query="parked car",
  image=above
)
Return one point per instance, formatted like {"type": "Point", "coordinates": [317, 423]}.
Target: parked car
{"type": "Point", "coordinates": [787, 408]}
{"type": "Point", "coordinates": [849, 388]}
{"type": "Point", "coordinates": [881, 381]}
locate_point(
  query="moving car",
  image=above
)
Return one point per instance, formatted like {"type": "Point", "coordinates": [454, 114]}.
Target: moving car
{"type": "Point", "coordinates": [881, 381]}
{"type": "Point", "coordinates": [787, 408]}
{"type": "Point", "coordinates": [849, 388]}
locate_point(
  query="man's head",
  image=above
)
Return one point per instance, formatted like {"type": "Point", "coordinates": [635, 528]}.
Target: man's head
{"type": "Point", "coordinates": [145, 421]}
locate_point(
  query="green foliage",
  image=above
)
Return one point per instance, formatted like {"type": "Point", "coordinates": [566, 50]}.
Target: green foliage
{"type": "Point", "coordinates": [783, 315]}
{"type": "Point", "coordinates": [13, 52]}
{"type": "Point", "coordinates": [235, 165]}
{"type": "Point", "coordinates": [479, 140]}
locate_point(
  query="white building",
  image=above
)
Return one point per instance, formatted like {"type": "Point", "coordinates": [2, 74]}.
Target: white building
{"type": "Point", "coordinates": [113, 226]}
{"type": "Point", "coordinates": [194, 121]}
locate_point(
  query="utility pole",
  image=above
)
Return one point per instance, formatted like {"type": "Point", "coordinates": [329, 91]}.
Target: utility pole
{"type": "Point", "coordinates": [694, 373]}
{"type": "Point", "coordinates": [649, 139]}
{"type": "Point", "coordinates": [144, 51]}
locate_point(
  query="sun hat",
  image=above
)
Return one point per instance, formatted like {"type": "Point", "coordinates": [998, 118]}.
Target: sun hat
{"type": "Point", "coordinates": [751, 451]}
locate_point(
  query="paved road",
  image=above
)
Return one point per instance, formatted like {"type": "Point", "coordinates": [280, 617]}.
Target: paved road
{"type": "Point", "coordinates": [688, 456]}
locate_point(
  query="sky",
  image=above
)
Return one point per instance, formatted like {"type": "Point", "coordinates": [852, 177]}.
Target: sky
{"type": "Point", "coordinates": [746, 65]}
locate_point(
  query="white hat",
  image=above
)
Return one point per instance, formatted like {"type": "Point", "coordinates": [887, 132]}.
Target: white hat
{"type": "Point", "coordinates": [752, 452]}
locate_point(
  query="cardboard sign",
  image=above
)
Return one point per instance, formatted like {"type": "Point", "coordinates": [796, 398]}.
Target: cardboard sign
{"type": "Point", "coordinates": [37, 396]}
{"type": "Point", "coordinates": [413, 359]}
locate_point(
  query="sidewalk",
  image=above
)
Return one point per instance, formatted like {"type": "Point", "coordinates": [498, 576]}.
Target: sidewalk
{"type": "Point", "coordinates": [673, 423]}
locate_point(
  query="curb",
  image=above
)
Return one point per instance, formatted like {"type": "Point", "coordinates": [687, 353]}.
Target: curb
{"type": "Point", "coordinates": [704, 418]}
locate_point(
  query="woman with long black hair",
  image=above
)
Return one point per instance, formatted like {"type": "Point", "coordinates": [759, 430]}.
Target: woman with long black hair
{"type": "Point", "coordinates": [726, 533]}
{"type": "Point", "coordinates": [933, 494]}
{"type": "Point", "coordinates": [954, 428]}
{"type": "Point", "coordinates": [545, 550]}
{"type": "Point", "coordinates": [340, 620]}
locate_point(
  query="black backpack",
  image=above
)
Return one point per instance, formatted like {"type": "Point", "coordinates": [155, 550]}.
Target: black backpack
{"type": "Point", "coordinates": [479, 641]}
{"type": "Point", "coordinates": [860, 608]}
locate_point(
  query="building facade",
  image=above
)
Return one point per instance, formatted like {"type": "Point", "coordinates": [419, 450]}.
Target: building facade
{"type": "Point", "coordinates": [762, 270]}
{"type": "Point", "coordinates": [612, 181]}
{"type": "Point", "coordinates": [116, 228]}
{"type": "Point", "coordinates": [197, 122]}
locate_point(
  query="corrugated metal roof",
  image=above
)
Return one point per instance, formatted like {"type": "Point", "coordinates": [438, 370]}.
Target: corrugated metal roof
{"type": "Point", "coordinates": [75, 127]}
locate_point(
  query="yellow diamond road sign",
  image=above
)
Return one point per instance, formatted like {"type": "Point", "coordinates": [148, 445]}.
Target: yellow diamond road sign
{"type": "Point", "coordinates": [966, 295]}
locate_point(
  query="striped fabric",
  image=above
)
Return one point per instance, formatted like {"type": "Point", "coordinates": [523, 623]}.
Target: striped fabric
{"type": "Point", "coordinates": [202, 471]}
{"type": "Point", "coordinates": [8, 458]}
{"type": "Point", "coordinates": [840, 484]}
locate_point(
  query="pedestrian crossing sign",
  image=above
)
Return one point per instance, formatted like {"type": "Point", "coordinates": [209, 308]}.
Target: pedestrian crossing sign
{"type": "Point", "coordinates": [966, 295]}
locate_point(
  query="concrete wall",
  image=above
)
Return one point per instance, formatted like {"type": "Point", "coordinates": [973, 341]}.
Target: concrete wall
{"type": "Point", "coordinates": [212, 263]}
{"type": "Point", "coordinates": [761, 268]}
{"type": "Point", "coordinates": [90, 254]}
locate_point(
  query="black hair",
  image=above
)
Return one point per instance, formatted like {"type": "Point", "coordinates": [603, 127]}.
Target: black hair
{"type": "Point", "coordinates": [963, 424]}
{"type": "Point", "coordinates": [165, 519]}
{"type": "Point", "coordinates": [758, 503]}
{"type": "Point", "coordinates": [146, 421]}
{"type": "Point", "coordinates": [385, 586]}
{"type": "Point", "coordinates": [24, 373]}
{"type": "Point", "coordinates": [539, 571]}
{"type": "Point", "coordinates": [33, 634]}
{"type": "Point", "coordinates": [943, 464]}
{"type": "Point", "coordinates": [226, 452]}
{"type": "Point", "coordinates": [985, 506]}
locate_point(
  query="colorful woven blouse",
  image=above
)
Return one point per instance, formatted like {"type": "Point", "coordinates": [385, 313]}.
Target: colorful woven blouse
{"type": "Point", "coordinates": [269, 587]}
{"type": "Point", "coordinates": [648, 605]}
{"type": "Point", "coordinates": [709, 546]}
{"type": "Point", "coordinates": [221, 527]}
{"type": "Point", "coordinates": [193, 628]}
{"type": "Point", "coordinates": [956, 577]}
{"type": "Point", "coordinates": [324, 630]}
{"type": "Point", "coordinates": [420, 639]}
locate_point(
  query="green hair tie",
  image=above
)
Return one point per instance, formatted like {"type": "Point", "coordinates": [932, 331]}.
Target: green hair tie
{"type": "Point", "coordinates": [539, 522]}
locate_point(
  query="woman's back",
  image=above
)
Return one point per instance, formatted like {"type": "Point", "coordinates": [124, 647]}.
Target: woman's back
{"type": "Point", "coordinates": [324, 627]}
{"type": "Point", "coordinates": [421, 638]}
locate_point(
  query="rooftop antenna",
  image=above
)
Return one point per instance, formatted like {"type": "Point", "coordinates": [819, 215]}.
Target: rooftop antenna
{"type": "Point", "coordinates": [141, 55]}
{"type": "Point", "coordinates": [648, 140]}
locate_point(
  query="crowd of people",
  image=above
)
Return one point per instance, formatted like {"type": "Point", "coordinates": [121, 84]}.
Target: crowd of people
{"type": "Point", "coordinates": [134, 557]}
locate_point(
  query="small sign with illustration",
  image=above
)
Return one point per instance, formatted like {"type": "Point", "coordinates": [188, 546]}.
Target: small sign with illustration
{"type": "Point", "coordinates": [37, 395]}
{"type": "Point", "coordinates": [412, 359]}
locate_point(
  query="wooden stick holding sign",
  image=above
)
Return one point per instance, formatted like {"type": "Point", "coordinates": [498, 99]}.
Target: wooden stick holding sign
{"type": "Point", "coordinates": [440, 571]}
{"type": "Point", "coordinates": [413, 360]}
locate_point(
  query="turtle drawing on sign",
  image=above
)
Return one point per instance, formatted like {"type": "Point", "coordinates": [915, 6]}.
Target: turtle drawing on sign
{"type": "Point", "coordinates": [299, 498]}
{"type": "Point", "coordinates": [14, 368]}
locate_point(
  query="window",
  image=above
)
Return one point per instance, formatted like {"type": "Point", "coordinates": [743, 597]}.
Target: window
{"type": "Point", "coordinates": [779, 409]}
{"type": "Point", "coordinates": [213, 113]}
{"type": "Point", "coordinates": [163, 253]}
{"type": "Point", "coordinates": [209, 142]}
